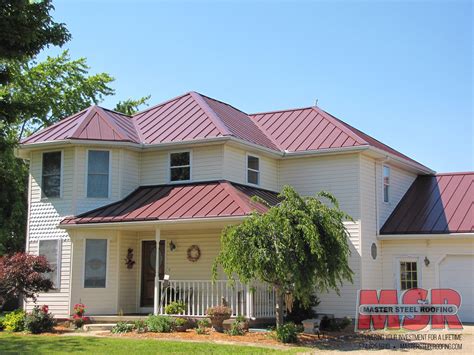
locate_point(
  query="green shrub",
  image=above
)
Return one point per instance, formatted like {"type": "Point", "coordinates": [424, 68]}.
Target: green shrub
{"type": "Point", "coordinates": [287, 333]}
{"type": "Point", "coordinates": [177, 307]}
{"type": "Point", "coordinates": [201, 331]}
{"type": "Point", "coordinates": [15, 321]}
{"type": "Point", "coordinates": [159, 324]}
{"type": "Point", "coordinates": [139, 326]}
{"type": "Point", "coordinates": [236, 328]}
{"type": "Point", "coordinates": [204, 323]}
{"type": "Point", "coordinates": [122, 327]}
{"type": "Point", "coordinates": [180, 322]}
{"type": "Point", "coordinates": [39, 320]}
{"type": "Point", "coordinates": [240, 318]}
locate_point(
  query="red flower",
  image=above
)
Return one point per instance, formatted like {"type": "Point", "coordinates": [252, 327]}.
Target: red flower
{"type": "Point", "coordinates": [45, 309]}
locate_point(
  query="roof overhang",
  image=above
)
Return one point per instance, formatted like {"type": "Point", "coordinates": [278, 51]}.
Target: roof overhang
{"type": "Point", "coordinates": [177, 224]}
{"type": "Point", "coordinates": [405, 237]}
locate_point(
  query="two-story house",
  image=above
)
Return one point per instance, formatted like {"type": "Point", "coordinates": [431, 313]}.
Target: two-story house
{"type": "Point", "coordinates": [129, 210]}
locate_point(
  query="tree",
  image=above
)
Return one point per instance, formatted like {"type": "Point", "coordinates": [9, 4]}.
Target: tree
{"type": "Point", "coordinates": [26, 27]}
{"type": "Point", "coordinates": [130, 106]}
{"type": "Point", "coordinates": [23, 275]}
{"type": "Point", "coordinates": [48, 91]}
{"type": "Point", "coordinates": [298, 246]}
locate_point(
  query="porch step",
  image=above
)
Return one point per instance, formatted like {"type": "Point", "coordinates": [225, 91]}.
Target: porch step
{"type": "Point", "coordinates": [98, 326]}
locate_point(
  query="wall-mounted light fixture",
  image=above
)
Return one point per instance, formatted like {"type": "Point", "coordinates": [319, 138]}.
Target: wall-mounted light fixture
{"type": "Point", "coordinates": [172, 246]}
{"type": "Point", "coordinates": [427, 261]}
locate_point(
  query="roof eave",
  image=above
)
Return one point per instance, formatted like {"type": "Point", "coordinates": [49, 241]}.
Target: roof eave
{"type": "Point", "coordinates": [417, 167]}
{"type": "Point", "coordinates": [418, 236]}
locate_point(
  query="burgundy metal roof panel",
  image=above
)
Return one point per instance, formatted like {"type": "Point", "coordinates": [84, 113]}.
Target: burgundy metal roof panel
{"type": "Point", "coordinates": [94, 123]}
{"type": "Point", "coordinates": [438, 204]}
{"type": "Point", "coordinates": [183, 201]}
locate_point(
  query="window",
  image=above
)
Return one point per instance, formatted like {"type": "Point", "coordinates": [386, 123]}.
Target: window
{"type": "Point", "coordinates": [98, 173]}
{"type": "Point", "coordinates": [408, 275]}
{"type": "Point", "coordinates": [50, 250]}
{"type": "Point", "coordinates": [253, 170]}
{"type": "Point", "coordinates": [386, 183]}
{"type": "Point", "coordinates": [95, 269]}
{"type": "Point", "coordinates": [180, 166]}
{"type": "Point", "coordinates": [51, 175]}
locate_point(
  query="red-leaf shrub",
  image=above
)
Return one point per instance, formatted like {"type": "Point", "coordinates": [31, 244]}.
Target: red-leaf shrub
{"type": "Point", "coordinates": [23, 275]}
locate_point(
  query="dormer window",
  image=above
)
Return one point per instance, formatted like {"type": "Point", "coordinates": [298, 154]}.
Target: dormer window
{"type": "Point", "coordinates": [180, 166]}
{"type": "Point", "coordinates": [253, 170]}
{"type": "Point", "coordinates": [386, 184]}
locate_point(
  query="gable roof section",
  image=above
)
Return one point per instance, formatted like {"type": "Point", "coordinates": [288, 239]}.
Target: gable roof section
{"type": "Point", "coordinates": [94, 123]}
{"type": "Point", "coordinates": [438, 204]}
{"type": "Point", "coordinates": [183, 201]}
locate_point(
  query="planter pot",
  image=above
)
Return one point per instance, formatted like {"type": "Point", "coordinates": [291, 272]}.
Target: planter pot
{"type": "Point", "coordinates": [217, 321]}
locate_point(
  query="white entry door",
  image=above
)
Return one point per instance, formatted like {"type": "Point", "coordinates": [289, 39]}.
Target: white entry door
{"type": "Point", "coordinates": [457, 272]}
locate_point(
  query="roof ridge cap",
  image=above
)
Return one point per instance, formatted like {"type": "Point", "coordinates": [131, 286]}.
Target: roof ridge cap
{"type": "Point", "coordinates": [340, 124]}
{"type": "Point", "coordinates": [277, 111]}
{"type": "Point", "coordinates": [111, 121]}
{"type": "Point", "coordinates": [84, 120]}
{"type": "Point", "coordinates": [211, 113]}
{"type": "Point", "coordinates": [264, 131]}
{"type": "Point", "coordinates": [160, 104]}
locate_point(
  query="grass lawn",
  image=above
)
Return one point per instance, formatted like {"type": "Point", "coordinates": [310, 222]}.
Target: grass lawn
{"type": "Point", "coordinates": [21, 343]}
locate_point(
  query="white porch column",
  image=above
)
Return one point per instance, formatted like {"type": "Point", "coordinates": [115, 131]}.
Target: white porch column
{"type": "Point", "coordinates": [156, 300]}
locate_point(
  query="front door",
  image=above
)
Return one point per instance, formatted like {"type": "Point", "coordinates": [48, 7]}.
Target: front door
{"type": "Point", "coordinates": [148, 270]}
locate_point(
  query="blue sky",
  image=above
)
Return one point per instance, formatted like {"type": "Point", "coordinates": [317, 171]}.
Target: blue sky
{"type": "Point", "coordinates": [400, 71]}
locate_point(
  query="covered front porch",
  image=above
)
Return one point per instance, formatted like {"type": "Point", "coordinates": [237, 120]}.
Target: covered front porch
{"type": "Point", "coordinates": [183, 260]}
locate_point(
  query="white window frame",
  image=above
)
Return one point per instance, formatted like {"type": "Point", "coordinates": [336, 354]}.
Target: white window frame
{"type": "Point", "coordinates": [107, 262]}
{"type": "Point", "coordinates": [61, 185]}
{"type": "Point", "coordinates": [181, 166]}
{"type": "Point", "coordinates": [87, 173]}
{"type": "Point", "coordinates": [389, 185]}
{"type": "Point", "coordinates": [57, 282]}
{"type": "Point", "coordinates": [256, 171]}
{"type": "Point", "coordinates": [408, 258]}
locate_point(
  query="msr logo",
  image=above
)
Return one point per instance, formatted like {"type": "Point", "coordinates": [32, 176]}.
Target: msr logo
{"type": "Point", "coordinates": [417, 308]}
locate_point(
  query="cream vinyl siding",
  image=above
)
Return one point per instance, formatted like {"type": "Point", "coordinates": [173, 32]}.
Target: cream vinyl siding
{"type": "Point", "coordinates": [371, 269]}
{"type": "Point", "coordinates": [206, 164]}
{"type": "Point", "coordinates": [338, 174]}
{"type": "Point", "coordinates": [235, 168]}
{"type": "Point", "coordinates": [57, 300]}
{"type": "Point", "coordinates": [400, 182]}
{"type": "Point", "coordinates": [130, 171]}
{"type": "Point", "coordinates": [97, 300]}
{"type": "Point", "coordinates": [435, 250]}
{"type": "Point", "coordinates": [128, 278]}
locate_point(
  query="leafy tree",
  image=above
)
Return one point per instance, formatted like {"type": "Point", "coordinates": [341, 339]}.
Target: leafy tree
{"type": "Point", "coordinates": [297, 246]}
{"type": "Point", "coordinates": [23, 275]}
{"type": "Point", "coordinates": [130, 106]}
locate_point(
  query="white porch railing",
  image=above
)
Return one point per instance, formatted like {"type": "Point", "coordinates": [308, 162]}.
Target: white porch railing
{"type": "Point", "coordinates": [251, 301]}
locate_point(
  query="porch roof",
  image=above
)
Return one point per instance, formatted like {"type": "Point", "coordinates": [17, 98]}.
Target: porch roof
{"type": "Point", "coordinates": [179, 201]}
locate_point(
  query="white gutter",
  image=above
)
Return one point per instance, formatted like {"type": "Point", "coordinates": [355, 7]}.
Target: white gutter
{"type": "Point", "coordinates": [403, 161]}
{"type": "Point", "coordinates": [425, 236]}
{"type": "Point", "coordinates": [325, 151]}
{"type": "Point", "coordinates": [151, 223]}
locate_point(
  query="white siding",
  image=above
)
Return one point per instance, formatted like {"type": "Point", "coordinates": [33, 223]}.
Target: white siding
{"type": "Point", "coordinates": [435, 250]}
{"type": "Point", "coordinates": [128, 278]}
{"type": "Point", "coordinates": [371, 269]}
{"type": "Point", "coordinates": [57, 300]}
{"type": "Point", "coordinates": [235, 168]}
{"type": "Point", "coordinates": [338, 174]}
{"type": "Point", "coordinates": [97, 300]}
{"type": "Point", "coordinates": [400, 182]}
{"type": "Point", "coordinates": [206, 165]}
{"type": "Point", "coordinates": [129, 172]}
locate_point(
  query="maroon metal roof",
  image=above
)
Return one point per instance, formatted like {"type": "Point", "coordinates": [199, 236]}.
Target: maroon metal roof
{"type": "Point", "coordinates": [183, 201]}
{"type": "Point", "coordinates": [194, 116]}
{"type": "Point", "coordinates": [314, 129]}
{"type": "Point", "coordinates": [94, 123]}
{"type": "Point", "coordinates": [438, 204]}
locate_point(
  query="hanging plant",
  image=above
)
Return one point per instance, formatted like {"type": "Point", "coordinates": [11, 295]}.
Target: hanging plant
{"type": "Point", "coordinates": [194, 253]}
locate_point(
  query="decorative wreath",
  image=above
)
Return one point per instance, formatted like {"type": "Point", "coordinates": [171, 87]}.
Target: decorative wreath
{"type": "Point", "coordinates": [194, 253]}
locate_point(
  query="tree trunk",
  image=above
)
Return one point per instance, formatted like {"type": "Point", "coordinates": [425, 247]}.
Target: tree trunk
{"type": "Point", "coordinates": [279, 307]}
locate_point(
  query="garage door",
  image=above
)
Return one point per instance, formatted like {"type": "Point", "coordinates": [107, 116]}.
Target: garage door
{"type": "Point", "coordinates": [457, 272]}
